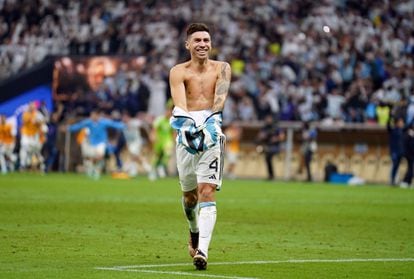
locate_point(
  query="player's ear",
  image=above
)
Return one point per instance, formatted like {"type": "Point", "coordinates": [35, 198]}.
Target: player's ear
{"type": "Point", "coordinates": [187, 44]}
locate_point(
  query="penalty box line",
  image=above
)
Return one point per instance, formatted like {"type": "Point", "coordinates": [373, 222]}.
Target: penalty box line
{"type": "Point", "coordinates": [149, 268]}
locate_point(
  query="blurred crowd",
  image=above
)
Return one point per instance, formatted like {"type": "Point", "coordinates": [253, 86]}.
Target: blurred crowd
{"type": "Point", "coordinates": [302, 60]}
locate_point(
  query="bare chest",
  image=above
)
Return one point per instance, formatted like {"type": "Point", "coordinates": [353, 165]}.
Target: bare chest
{"type": "Point", "coordinates": [200, 84]}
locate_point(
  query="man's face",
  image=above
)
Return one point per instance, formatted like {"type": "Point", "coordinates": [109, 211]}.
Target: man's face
{"type": "Point", "coordinates": [199, 44]}
{"type": "Point", "coordinates": [32, 107]}
{"type": "Point", "coordinates": [400, 123]}
{"type": "Point", "coordinates": [94, 116]}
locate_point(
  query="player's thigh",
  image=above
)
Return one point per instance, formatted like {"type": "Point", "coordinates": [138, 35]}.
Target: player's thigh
{"type": "Point", "coordinates": [9, 148]}
{"type": "Point", "coordinates": [134, 148]}
{"type": "Point", "coordinates": [210, 166]}
{"type": "Point", "coordinates": [87, 150]}
{"type": "Point", "coordinates": [100, 150]}
{"type": "Point", "coordinates": [93, 151]}
{"type": "Point", "coordinates": [186, 170]}
{"type": "Point", "coordinates": [28, 142]}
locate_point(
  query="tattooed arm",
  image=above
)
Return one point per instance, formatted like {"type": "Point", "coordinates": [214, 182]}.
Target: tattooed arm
{"type": "Point", "coordinates": [222, 87]}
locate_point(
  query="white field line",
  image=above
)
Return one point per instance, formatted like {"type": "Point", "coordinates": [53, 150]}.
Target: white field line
{"type": "Point", "coordinates": [142, 268]}
{"type": "Point", "coordinates": [265, 262]}
{"type": "Point", "coordinates": [174, 273]}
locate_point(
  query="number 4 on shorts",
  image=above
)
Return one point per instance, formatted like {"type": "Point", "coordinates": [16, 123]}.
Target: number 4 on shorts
{"type": "Point", "coordinates": [214, 165]}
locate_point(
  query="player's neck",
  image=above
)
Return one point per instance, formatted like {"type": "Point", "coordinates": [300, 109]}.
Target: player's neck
{"type": "Point", "coordinates": [199, 64]}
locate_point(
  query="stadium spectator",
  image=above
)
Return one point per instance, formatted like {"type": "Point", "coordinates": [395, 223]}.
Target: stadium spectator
{"type": "Point", "coordinates": [246, 111]}
{"type": "Point", "coordinates": [383, 113]}
{"type": "Point", "coordinates": [335, 42]}
{"type": "Point", "coordinates": [157, 87]}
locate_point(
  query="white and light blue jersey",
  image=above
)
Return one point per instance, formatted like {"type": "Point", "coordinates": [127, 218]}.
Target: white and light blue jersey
{"type": "Point", "coordinates": [197, 131]}
{"type": "Point", "coordinates": [97, 130]}
{"type": "Point", "coordinates": [132, 131]}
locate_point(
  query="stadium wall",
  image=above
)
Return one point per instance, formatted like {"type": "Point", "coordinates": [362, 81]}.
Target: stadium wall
{"type": "Point", "coordinates": [360, 149]}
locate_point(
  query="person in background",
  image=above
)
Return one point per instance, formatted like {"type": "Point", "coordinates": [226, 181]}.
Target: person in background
{"type": "Point", "coordinates": [115, 144]}
{"type": "Point", "coordinates": [96, 138]}
{"type": "Point", "coordinates": [50, 147]}
{"type": "Point", "coordinates": [383, 113]}
{"type": "Point", "coordinates": [308, 147]}
{"type": "Point", "coordinates": [134, 142]}
{"type": "Point", "coordinates": [395, 128]}
{"type": "Point", "coordinates": [233, 136]}
{"type": "Point", "coordinates": [7, 143]}
{"type": "Point", "coordinates": [408, 147]}
{"type": "Point", "coordinates": [270, 138]}
{"type": "Point", "coordinates": [32, 132]}
{"type": "Point", "coordinates": [162, 143]}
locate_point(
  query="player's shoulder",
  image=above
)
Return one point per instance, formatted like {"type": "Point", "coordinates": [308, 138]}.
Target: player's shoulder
{"type": "Point", "coordinates": [221, 66]}
{"type": "Point", "coordinates": [179, 68]}
{"type": "Point", "coordinates": [220, 63]}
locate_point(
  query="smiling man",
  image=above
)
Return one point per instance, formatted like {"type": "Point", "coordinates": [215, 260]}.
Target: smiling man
{"type": "Point", "coordinates": [199, 88]}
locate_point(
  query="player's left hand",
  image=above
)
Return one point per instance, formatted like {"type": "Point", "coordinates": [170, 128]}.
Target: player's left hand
{"type": "Point", "coordinates": [212, 128]}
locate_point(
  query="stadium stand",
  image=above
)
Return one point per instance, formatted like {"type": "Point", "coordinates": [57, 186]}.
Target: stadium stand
{"type": "Point", "coordinates": [299, 59]}
{"type": "Point", "coordinates": [333, 62]}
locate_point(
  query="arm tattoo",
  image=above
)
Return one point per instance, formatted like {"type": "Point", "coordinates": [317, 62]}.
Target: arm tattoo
{"type": "Point", "coordinates": [223, 71]}
{"type": "Point", "coordinates": [222, 87]}
{"type": "Point", "coordinates": [217, 104]}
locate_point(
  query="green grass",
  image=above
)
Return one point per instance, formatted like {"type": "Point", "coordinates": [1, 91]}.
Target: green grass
{"type": "Point", "coordinates": [66, 225]}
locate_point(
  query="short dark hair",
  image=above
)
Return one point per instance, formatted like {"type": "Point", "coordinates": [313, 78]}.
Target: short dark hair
{"type": "Point", "coordinates": [95, 110]}
{"type": "Point", "coordinates": [196, 27]}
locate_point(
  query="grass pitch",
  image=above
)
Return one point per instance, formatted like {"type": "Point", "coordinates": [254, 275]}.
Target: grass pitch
{"type": "Point", "coordinates": [68, 226]}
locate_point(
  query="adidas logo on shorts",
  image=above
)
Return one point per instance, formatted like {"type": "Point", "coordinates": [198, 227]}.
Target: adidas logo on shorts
{"type": "Point", "coordinates": [212, 177]}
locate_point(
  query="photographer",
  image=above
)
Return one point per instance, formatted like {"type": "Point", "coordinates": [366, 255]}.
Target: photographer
{"type": "Point", "coordinates": [269, 139]}
{"type": "Point", "coordinates": [309, 146]}
{"type": "Point", "coordinates": [408, 147]}
{"type": "Point", "coordinates": [395, 128]}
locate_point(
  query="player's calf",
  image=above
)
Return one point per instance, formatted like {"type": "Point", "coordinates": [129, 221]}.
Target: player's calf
{"type": "Point", "coordinates": [193, 243]}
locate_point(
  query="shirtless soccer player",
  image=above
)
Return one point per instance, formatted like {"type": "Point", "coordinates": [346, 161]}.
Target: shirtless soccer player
{"type": "Point", "coordinates": [199, 88]}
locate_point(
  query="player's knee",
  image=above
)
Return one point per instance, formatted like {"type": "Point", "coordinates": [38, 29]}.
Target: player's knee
{"type": "Point", "coordinates": [206, 192]}
{"type": "Point", "coordinates": [190, 199]}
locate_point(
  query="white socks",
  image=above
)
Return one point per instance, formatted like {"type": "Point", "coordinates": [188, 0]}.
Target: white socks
{"type": "Point", "coordinates": [3, 164]}
{"type": "Point", "coordinates": [202, 218]}
{"type": "Point", "coordinates": [207, 220]}
{"type": "Point", "coordinates": [23, 158]}
{"type": "Point", "coordinates": [146, 167]}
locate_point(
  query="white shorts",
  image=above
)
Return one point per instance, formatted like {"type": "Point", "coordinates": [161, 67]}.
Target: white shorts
{"type": "Point", "coordinates": [93, 151]}
{"type": "Point", "coordinates": [134, 147]}
{"type": "Point", "coordinates": [203, 167]}
{"type": "Point", "coordinates": [31, 143]}
{"type": "Point", "coordinates": [6, 149]}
